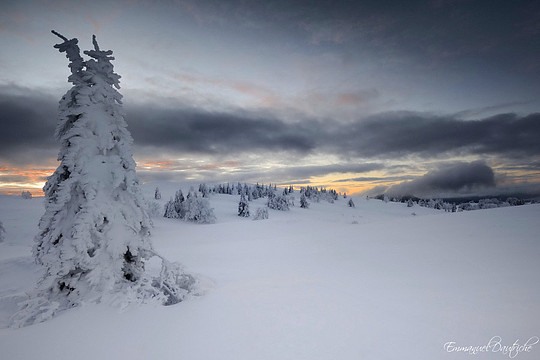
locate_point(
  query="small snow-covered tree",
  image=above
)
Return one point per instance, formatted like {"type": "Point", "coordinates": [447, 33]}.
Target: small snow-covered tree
{"type": "Point", "coordinates": [2, 232]}
{"type": "Point", "coordinates": [94, 237]}
{"type": "Point", "coordinates": [170, 211]}
{"type": "Point", "coordinates": [26, 194]}
{"type": "Point", "coordinates": [198, 210]}
{"type": "Point", "coordinates": [351, 203]}
{"type": "Point", "coordinates": [243, 207]}
{"type": "Point", "coordinates": [157, 194]}
{"type": "Point", "coordinates": [255, 194]}
{"type": "Point", "coordinates": [204, 190]}
{"type": "Point", "coordinates": [261, 214]}
{"type": "Point", "coordinates": [191, 193]}
{"type": "Point", "coordinates": [179, 205]}
{"type": "Point", "coordinates": [175, 208]}
{"type": "Point", "coordinates": [153, 208]}
{"type": "Point", "coordinates": [304, 204]}
{"type": "Point", "coordinates": [277, 202]}
{"type": "Point", "coordinates": [247, 191]}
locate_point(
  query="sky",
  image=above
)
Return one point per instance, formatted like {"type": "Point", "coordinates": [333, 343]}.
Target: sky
{"type": "Point", "coordinates": [426, 98]}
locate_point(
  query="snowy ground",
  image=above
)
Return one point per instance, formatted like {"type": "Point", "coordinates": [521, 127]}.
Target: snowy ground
{"type": "Point", "coordinates": [329, 282]}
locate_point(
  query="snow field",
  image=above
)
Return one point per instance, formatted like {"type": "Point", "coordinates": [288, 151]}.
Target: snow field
{"type": "Point", "coordinates": [328, 282]}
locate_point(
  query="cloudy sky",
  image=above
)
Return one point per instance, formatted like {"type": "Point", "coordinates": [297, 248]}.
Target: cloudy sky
{"type": "Point", "coordinates": [428, 98]}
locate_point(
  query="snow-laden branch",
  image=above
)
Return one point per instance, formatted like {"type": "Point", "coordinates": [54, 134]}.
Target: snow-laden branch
{"type": "Point", "coordinates": [72, 51]}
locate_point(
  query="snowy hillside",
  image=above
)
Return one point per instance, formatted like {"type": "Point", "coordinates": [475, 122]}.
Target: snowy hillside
{"type": "Point", "coordinates": [328, 282]}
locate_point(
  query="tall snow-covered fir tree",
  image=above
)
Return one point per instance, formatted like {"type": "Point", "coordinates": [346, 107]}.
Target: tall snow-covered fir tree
{"type": "Point", "coordinates": [94, 236]}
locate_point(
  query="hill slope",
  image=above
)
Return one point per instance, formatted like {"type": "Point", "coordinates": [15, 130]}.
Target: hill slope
{"type": "Point", "coordinates": [328, 282]}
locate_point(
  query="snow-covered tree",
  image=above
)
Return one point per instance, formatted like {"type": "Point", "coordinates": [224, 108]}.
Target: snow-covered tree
{"type": "Point", "coordinates": [26, 194]}
{"type": "Point", "coordinates": [170, 210]}
{"type": "Point", "coordinates": [277, 202]}
{"type": "Point", "coordinates": [204, 190]}
{"type": "Point", "coordinates": [243, 207]}
{"type": "Point", "coordinates": [247, 191]}
{"type": "Point", "coordinates": [2, 232]}
{"type": "Point", "coordinates": [255, 194]}
{"type": "Point", "coordinates": [261, 214]}
{"type": "Point", "coordinates": [178, 202]}
{"type": "Point", "coordinates": [198, 209]}
{"type": "Point", "coordinates": [191, 208]}
{"type": "Point", "coordinates": [153, 208]}
{"type": "Point", "coordinates": [157, 194]}
{"type": "Point", "coordinates": [304, 204]}
{"type": "Point", "coordinates": [94, 237]}
{"type": "Point", "coordinates": [351, 203]}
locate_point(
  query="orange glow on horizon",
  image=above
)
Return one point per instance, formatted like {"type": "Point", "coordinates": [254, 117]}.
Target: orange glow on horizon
{"type": "Point", "coordinates": [348, 187]}
{"type": "Point", "coordinates": [14, 180]}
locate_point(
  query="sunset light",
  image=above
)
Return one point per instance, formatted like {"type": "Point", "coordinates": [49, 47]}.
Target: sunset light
{"type": "Point", "coordinates": [353, 98]}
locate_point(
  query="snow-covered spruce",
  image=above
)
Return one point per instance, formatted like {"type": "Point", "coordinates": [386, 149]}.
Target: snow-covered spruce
{"type": "Point", "coordinates": [277, 202]}
{"type": "Point", "coordinates": [26, 194]}
{"type": "Point", "coordinates": [178, 204]}
{"type": "Point", "coordinates": [157, 194]}
{"type": "Point", "coordinates": [243, 207]}
{"type": "Point", "coordinates": [191, 208]}
{"type": "Point", "coordinates": [351, 203]}
{"type": "Point", "coordinates": [174, 208]}
{"type": "Point", "coordinates": [153, 208]}
{"type": "Point", "coordinates": [304, 204]}
{"type": "Point", "coordinates": [170, 211]}
{"type": "Point", "coordinates": [94, 237]}
{"type": "Point", "coordinates": [261, 214]}
{"type": "Point", "coordinates": [197, 209]}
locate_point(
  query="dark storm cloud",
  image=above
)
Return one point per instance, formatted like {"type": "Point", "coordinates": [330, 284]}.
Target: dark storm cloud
{"type": "Point", "coordinates": [387, 135]}
{"type": "Point", "coordinates": [200, 131]}
{"type": "Point", "coordinates": [408, 133]}
{"type": "Point", "coordinates": [384, 136]}
{"type": "Point", "coordinates": [494, 33]}
{"type": "Point", "coordinates": [28, 121]}
{"type": "Point", "coordinates": [451, 178]}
